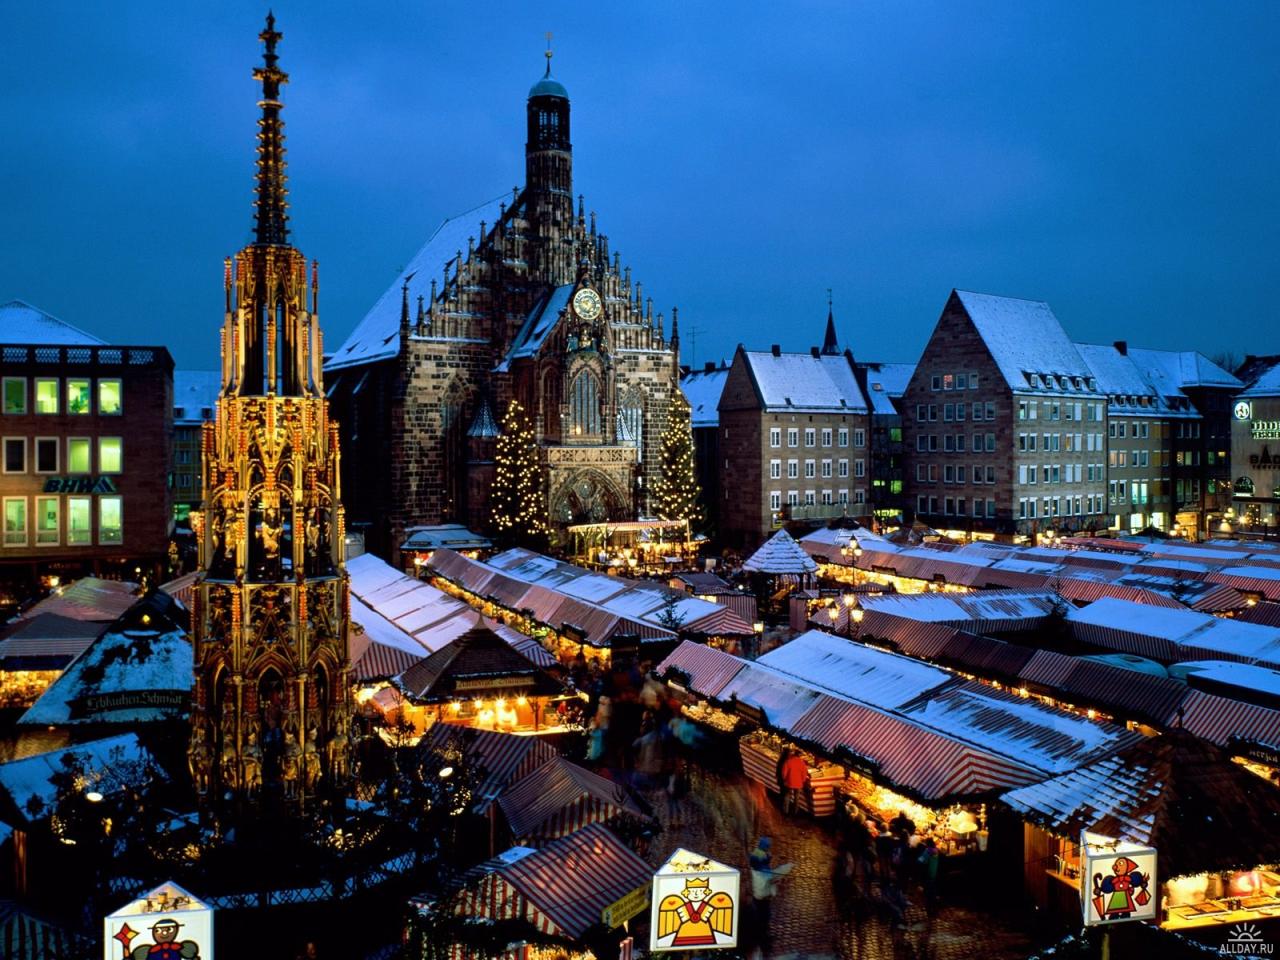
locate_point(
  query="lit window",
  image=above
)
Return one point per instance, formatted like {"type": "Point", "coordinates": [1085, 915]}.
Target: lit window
{"type": "Point", "coordinates": [46, 395]}
{"type": "Point", "coordinates": [78, 400]}
{"type": "Point", "coordinates": [78, 455]}
{"type": "Point", "coordinates": [110, 520]}
{"type": "Point", "coordinates": [15, 521]}
{"type": "Point", "coordinates": [110, 397]}
{"type": "Point", "coordinates": [15, 394]}
{"type": "Point", "coordinates": [110, 454]}
{"type": "Point", "coordinates": [584, 417]}
{"type": "Point", "coordinates": [46, 521]}
{"type": "Point", "coordinates": [79, 520]}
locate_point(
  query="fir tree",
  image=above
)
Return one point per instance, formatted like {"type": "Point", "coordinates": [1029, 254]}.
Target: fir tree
{"type": "Point", "coordinates": [518, 510]}
{"type": "Point", "coordinates": [676, 492]}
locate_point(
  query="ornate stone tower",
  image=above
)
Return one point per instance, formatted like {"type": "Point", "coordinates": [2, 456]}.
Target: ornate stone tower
{"type": "Point", "coordinates": [548, 163]}
{"type": "Point", "coordinates": [272, 698]}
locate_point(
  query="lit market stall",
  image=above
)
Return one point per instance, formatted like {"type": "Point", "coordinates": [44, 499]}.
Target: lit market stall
{"type": "Point", "coordinates": [633, 546]}
{"type": "Point", "coordinates": [1215, 825]}
{"type": "Point", "coordinates": [558, 797]}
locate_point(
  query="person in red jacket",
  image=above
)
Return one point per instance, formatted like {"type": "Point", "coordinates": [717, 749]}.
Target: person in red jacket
{"type": "Point", "coordinates": [795, 774]}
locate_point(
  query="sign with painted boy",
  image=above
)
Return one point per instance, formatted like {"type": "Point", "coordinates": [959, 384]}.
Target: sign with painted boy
{"type": "Point", "coordinates": [168, 923]}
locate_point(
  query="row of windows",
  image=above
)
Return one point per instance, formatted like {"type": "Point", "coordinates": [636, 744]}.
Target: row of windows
{"type": "Point", "coordinates": [1031, 508]}
{"type": "Point", "coordinates": [1120, 429]}
{"type": "Point", "coordinates": [793, 469]}
{"type": "Point", "coordinates": [811, 437]}
{"type": "Point", "coordinates": [955, 443]}
{"type": "Point", "coordinates": [1061, 442]}
{"type": "Point", "coordinates": [957, 473]}
{"type": "Point", "coordinates": [829, 497]}
{"type": "Point", "coordinates": [1135, 492]}
{"type": "Point", "coordinates": [1060, 410]}
{"type": "Point", "coordinates": [1058, 473]}
{"type": "Point", "coordinates": [1130, 458]}
{"type": "Point", "coordinates": [955, 506]}
{"type": "Point", "coordinates": [49, 396]}
{"type": "Point", "coordinates": [953, 381]}
{"type": "Point", "coordinates": [79, 459]}
{"type": "Point", "coordinates": [956, 412]}
{"type": "Point", "coordinates": [58, 520]}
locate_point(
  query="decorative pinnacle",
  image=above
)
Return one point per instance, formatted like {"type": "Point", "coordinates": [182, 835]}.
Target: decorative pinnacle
{"type": "Point", "coordinates": [549, 54]}
{"type": "Point", "coordinates": [270, 200]}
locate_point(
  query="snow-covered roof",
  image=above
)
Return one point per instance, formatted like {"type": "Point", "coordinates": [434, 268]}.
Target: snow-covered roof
{"type": "Point", "coordinates": [702, 388]}
{"type": "Point", "coordinates": [855, 670]}
{"type": "Point", "coordinates": [20, 322]}
{"type": "Point", "coordinates": [780, 555]}
{"type": "Point", "coordinates": [539, 323]}
{"type": "Point", "coordinates": [377, 336]}
{"type": "Point", "coordinates": [959, 607]}
{"type": "Point", "coordinates": [1230, 673]}
{"type": "Point", "coordinates": [887, 382]}
{"type": "Point", "coordinates": [1183, 368]}
{"type": "Point", "coordinates": [804, 383]}
{"type": "Point", "coordinates": [1266, 383]}
{"type": "Point", "coordinates": [31, 786]}
{"type": "Point", "coordinates": [194, 391]}
{"type": "Point", "coordinates": [1023, 337]}
{"type": "Point", "coordinates": [1116, 372]}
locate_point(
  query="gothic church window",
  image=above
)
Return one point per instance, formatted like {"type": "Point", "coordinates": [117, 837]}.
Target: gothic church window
{"type": "Point", "coordinates": [584, 406]}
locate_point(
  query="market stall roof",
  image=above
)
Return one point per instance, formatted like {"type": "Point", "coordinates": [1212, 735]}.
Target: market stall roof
{"type": "Point", "coordinates": [1172, 635]}
{"type": "Point", "coordinates": [29, 787]}
{"type": "Point", "coordinates": [1186, 797]}
{"type": "Point", "coordinates": [988, 610]}
{"type": "Point", "coordinates": [780, 554]}
{"type": "Point", "coordinates": [452, 535]}
{"type": "Point", "coordinates": [562, 889]}
{"type": "Point", "coordinates": [478, 661]}
{"type": "Point", "coordinates": [502, 758]}
{"type": "Point", "coordinates": [782, 699]}
{"type": "Point", "coordinates": [47, 641]}
{"type": "Point", "coordinates": [87, 599]}
{"type": "Point", "coordinates": [558, 797]}
{"type": "Point", "coordinates": [720, 622]}
{"type": "Point", "coordinates": [138, 671]}
{"type": "Point", "coordinates": [707, 668]}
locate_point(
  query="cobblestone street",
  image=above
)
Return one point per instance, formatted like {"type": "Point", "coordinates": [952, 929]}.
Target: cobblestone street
{"type": "Point", "coordinates": [724, 814]}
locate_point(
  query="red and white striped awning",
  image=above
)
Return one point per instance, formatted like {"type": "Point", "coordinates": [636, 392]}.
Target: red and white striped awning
{"type": "Point", "coordinates": [505, 758]}
{"type": "Point", "coordinates": [1219, 719]}
{"type": "Point", "coordinates": [721, 622]}
{"type": "Point", "coordinates": [709, 670]}
{"type": "Point", "coordinates": [558, 798]}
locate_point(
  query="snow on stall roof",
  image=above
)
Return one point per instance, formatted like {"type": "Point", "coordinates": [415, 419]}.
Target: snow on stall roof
{"type": "Point", "coordinates": [30, 784]}
{"type": "Point", "coordinates": [1246, 675]}
{"type": "Point", "coordinates": [780, 555]}
{"type": "Point", "coordinates": [855, 670]}
{"type": "Point", "coordinates": [1023, 336]}
{"type": "Point", "coordinates": [541, 321]}
{"type": "Point", "coordinates": [783, 699]}
{"type": "Point", "coordinates": [805, 383]}
{"type": "Point", "coordinates": [377, 336]}
{"type": "Point", "coordinates": [20, 322]}
{"type": "Point", "coordinates": [594, 587]}
{"type": "Point", "coordinates": [981, 605]}
{"type": "Point", "coordinates": [1107, 787]}
{"type": "Point", "coordinates": [702, 389]}
{"type": "Point", "coordinates": [1167, 623]}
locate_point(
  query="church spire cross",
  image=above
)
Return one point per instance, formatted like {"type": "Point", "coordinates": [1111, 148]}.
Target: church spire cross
{"type": "Point", "coordinates": [270, 200]}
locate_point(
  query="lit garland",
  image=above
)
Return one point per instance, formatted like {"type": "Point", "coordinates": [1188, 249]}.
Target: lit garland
{"type": "Point", "coordinates": [675, 491]}
{"type": "Point", "coordinates": [518, 510]}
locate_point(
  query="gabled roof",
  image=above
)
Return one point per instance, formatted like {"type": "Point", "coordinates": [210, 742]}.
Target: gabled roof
{"type": "Point", "coordinates": [195, 391]}
{"type": "Point", "coordinates": [780, 554]}
{"type": "Point", "coordinates": [20, 322]}
{"type": "Point", "coordinates": [558, 797]}
{"type": "Point", "coordinates": [377, 336]}
{"type": "Point", "coordinates": [477, 654]}
{"type": "Point", "coordinates": [539, 323]}
{"type": "Point", "coordinates": [1023, 337]}
{"type": "Point", "coordinates": [702, 388]}
{"type": "Point", "coordinates": [1264, 377]}
{"type": "Point", "coordinates": [29, 787]}
{"type": "Point", "coordinates": [804, 383]}
{"type": "Point", "coordinates": [887, 382]}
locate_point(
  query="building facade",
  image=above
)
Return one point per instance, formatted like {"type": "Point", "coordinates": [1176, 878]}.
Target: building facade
{"type": "Point", "coordinates": [520, 298]}
{"type": "Point", "coordinates": [1255, 446]}
{"type": "Point", "coordinates": [702, 388]}
{"type": "Point", "coordinates": [195, 397]}
{"type": "Point", "coordinates": [883, 384]}
{"type": "Point", "coordinates": [85, 431]}
{"type": "Point", "coordinates": [1004, 424]}
{"type": "Point", "coordinates": [794, 442]}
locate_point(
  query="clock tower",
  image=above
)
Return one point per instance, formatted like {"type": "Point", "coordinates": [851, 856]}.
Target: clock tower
{"type": "Point", "coordinates": [548, 163]}
{"type": "Point", "coordinates": [272, 695]}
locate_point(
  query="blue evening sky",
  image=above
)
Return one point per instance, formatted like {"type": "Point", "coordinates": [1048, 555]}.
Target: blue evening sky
{"type": "Point", "coordinates": [1120, 160]}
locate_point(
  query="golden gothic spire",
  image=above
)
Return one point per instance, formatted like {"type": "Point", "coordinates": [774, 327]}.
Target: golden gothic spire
{"type": "Point", "coordinates": [270, 200]}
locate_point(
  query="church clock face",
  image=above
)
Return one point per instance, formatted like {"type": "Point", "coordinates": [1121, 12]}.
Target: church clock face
{"type": "Point", "coordinates": [586, 303]}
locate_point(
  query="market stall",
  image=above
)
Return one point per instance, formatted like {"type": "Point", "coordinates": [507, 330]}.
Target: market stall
{"type": "Point", "coordinates": [761, 753]}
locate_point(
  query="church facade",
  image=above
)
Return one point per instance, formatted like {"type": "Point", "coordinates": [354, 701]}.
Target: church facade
{"type": "Point", "coordinates": [519, 298]}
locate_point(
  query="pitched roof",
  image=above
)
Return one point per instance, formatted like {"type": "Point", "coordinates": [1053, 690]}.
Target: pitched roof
{"type": "Point", "coordinates": [780, 554]}
{"type": "Point", "coordinates": [558, 797]}
{"type": "Point", "coordinates": [803, 383]}
{"type": "Point", "coordinates": [539, 323]}
{"type": "Point", "coordinates": [1182, 795]}
{"type": "Point", "coordinates": [29, 786]}
{"type": "Point", "coordinates": [1023, 337]}
{"type": "Point", "coordinates": [195, 391]}
{"type": "Point", "coordinates": [377, 336]}
{"type": "Point", "coordinates": [1185, 368]}
{"type": "Point", "coordinates": [20, 322]}
{"type": "Point", "coordinates": [1264, 377]}
{"type": "Point", "coordinates": [702, 388]}
{"type": "Point", "coordinates": [89, 598]}
{"type": "Point", "coordinates": [503, 758]}
{"type": "Point", "coordinates": [887, 382]}
{"type": "Point", "coordinates": [477, 654]}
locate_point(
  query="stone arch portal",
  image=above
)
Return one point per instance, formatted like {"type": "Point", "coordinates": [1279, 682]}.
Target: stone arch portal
{"type": "Point", "coordinates": [588, 496]}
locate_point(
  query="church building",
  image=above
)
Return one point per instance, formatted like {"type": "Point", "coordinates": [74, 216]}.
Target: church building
{"type": "Point", "coordinates": [521, 298]}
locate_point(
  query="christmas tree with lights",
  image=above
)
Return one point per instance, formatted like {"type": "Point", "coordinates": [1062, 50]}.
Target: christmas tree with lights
{"type": "Point", "coordinates": [676, 492]}
{"type": "Point", "coordinates": [519, 512]}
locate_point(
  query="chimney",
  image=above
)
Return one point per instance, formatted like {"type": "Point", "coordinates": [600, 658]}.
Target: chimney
{"type": "Point", "coordinates": [709, 367]}
{"type": "Point", "coordinates": [776, 350]}
{"type": "Point", "coordinates": [815, 352]}
{"type": "Point", "coordinates": [1122, 347]}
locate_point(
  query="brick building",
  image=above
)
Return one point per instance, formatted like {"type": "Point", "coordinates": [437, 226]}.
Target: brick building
{"type": "Point", "coordinates": [195, 398]}
{"type": "Point", "coordinates": [85, 431]}
{"type": "Point", "coordinates": [1004, 424]}
{"type": "Point", "coordinates": [793, 440]}
{"type": "Point", "coordinates": [521, 298]}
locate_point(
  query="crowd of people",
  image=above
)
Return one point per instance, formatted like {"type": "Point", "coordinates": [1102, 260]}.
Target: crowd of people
{"type": "Point", "coordinates": [879, 863]}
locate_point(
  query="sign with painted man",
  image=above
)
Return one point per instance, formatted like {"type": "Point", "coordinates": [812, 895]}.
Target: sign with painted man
{"type": "Point", "coordinates": [1117, 881]}
{"type": "Point", "coordinates": [695, 904]}
{"type": "Point", "coordinates": [168, 923]}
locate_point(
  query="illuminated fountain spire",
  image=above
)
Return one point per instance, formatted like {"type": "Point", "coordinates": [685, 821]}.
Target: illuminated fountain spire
{"type": "Point", "coordinates": [271, 191]}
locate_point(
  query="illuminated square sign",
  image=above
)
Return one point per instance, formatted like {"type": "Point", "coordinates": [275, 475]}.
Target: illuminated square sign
{"type": "Point", "coordinates": [167, 923]}
{"type": "Point", "coordinates": [695, 904]}
{"type": "Point", "coordinates": [1118, 880]}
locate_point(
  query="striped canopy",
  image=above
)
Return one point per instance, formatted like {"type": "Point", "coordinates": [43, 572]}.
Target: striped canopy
{"type": "Point", "coordinates": [559, 798]}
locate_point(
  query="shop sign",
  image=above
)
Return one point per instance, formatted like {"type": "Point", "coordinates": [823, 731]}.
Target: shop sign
{"type": "Point", "coordinates": [1243, 410]}
{"type": "Point", "coordinates": [167, 922]}
{"type": "Point", "coordinates": [492, 683]}
{"type": "Point", "coordinates": [1264, 460]}
{"type": "Point", "coordinates": [1118, 881]}
{"type": "Point", "coordinates": [130, 700]}
{"type": "Point", "coordinates": [80, 485]}
{"type": "Point", "coordinates": [1265, 429]}
{"type": "Point", "coordinates": [625, 907]}
{"type": "Point", "coordinates": [695, 904]}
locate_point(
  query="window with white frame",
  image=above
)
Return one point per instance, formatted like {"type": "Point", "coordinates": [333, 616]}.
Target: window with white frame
{"type": "Point", "coordinates": [775, 469]}
{"type": "Point", "coordinates": [775, 436]}
{"type": "Point", "coordinates": [793, 469]}
{"type": "Point", "coordinates": [775, 499]}
{"type": "Point", "coordinates": [859, 438]}
{"type": "Point", "coordinates": [809, 436]}
{"type": "Point", "coordinates": [15, 454]}
{"type": "Point", "coordinates": [842, 437]}
{"type": "Point", "coordinates": [826, 436]}
{"type": "Point", "coordinates": [809, 467]}
{"type": "Point", "coordinates": [842, 468]}
{"type": "Point", "coordinates": [793, 437]}
{"type": "Point", "coordinates": [15, 521]}
{"type": "Point", "coordinates": [859, 468]}
{"type": "Point", "coordinates": [826, 469]}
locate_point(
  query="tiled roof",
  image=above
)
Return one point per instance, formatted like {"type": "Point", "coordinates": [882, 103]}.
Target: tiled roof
{"type": "Point", "coordinates": [780, 554]}
{"type": "Point", "coordinates": [805, 383]}
{"type": "Point", "coordinates": [702, 388]}
{"type": "Point", "coordinates": [22, 323]}
{"type": "Point", "coordinates": [1023, 337]}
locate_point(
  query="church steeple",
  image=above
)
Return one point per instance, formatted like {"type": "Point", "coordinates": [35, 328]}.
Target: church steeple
{"type": "Point", "coordinates": [830, 345]}
{"type": "Point", "coordinates": [549, 179]}
{"type": "Point", "coordinates": [270, 200]}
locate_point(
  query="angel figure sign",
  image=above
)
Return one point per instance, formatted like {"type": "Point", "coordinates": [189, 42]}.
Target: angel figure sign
{"type": "Point", "coordinates": [695, 904]}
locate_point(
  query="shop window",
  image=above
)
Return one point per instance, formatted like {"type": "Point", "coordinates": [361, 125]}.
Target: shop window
{"type": "Point", "coordinates": [110, 520]}
{"type": "Point", "coordinates": [79, 520]}
{"type": "Point", "coordinates": [110, 454]}
{"type": "Point", "coordinates": [46, 454]}
{"type": "Point", "coordinates": [110, 397]}
{"type": "Point", "coordinates": [15, 521]}
{"type": "Point", "coordinates": [46, 521]}
{"type": "Point", "coordinates": [78, 399]}
{"type": "Point", "coordinates": [78, 455]}
{"type": "Point", "coordinates": [15, 395]}
{"type": "Point", "coordinates": [46, 395]}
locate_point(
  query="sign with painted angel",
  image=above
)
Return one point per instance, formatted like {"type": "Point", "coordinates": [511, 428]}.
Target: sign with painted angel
{"type": "Point", "coordinates": [1117, 881]}
{"type": "Point", "coordinates": [695, 904]}
{"type": "Point", "coordinates": [168, 923]}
